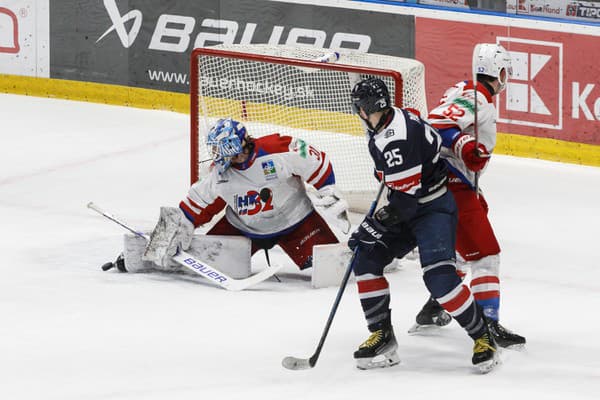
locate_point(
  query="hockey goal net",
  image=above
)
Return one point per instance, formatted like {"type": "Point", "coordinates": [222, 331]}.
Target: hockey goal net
{"type": "Point", "coordinates": [302, 92]}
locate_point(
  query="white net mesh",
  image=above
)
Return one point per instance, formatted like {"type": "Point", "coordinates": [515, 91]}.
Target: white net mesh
{"type": "Point", "coordinates": [310, 103]}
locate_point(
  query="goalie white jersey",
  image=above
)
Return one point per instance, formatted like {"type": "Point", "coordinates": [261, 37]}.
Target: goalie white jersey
{"type": "Point", "coordinates": [265, 196]}
{"type": "Point", "coordinates": [456, 111]}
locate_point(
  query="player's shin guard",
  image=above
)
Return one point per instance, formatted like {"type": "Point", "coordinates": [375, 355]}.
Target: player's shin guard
{"type": "Point", "coordinates": [374, 294]}
{"type": "Point", "coordinates": [379, 350]}
{"type": "Point", "coordinates": [485, 285]}
{"type": "Point", "coordinates": [373, 288]}
{"type": "Point", "coordinates": [456, 298]}
{"type": "Point", "coordinates": [447, 288]}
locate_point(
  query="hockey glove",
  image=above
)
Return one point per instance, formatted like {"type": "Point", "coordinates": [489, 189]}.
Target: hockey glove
{"type": "Point", "coordinates": [368, 235]}
{"type": "Point", "coordinates": [474, 156]}
{"type": "Point", "coordinates": [329, 202]}
{"type": "Point", "coordinates": [173, 231]}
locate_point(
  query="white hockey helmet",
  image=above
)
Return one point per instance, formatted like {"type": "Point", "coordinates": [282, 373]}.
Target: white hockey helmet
{"type": "Point", "coordinates": [490, 59]}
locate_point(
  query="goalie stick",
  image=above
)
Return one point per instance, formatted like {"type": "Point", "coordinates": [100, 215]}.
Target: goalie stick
{"type": "Point", "coordinates": [295, 363]}
{"type": "Point", "coordinates": [197, 266]}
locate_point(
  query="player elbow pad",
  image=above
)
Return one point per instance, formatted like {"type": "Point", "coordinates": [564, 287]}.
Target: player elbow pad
{"type": "Point", "coordinates": [449, 135]}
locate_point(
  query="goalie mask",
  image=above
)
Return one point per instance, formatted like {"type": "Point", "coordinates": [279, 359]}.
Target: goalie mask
{"type": "Point", "coordinates": [225, 141]}
{"type": "Point", "coordinates": [490, 59]}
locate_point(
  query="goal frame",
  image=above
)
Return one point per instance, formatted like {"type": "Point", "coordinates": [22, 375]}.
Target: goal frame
{"type": "Point", "coordinates": [195, 90]}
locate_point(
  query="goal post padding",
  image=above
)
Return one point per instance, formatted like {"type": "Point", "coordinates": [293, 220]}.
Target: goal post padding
{"type": "Point", "coordinates": [291, 90]}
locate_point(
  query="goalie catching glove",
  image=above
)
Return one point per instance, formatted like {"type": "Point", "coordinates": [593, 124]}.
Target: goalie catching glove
{"type": "Point", "coordinates": [173, 231]}
{"type": "Point", "coordinates": [474, 155]}
{"type": "Point", "coordinates": [330, 202]}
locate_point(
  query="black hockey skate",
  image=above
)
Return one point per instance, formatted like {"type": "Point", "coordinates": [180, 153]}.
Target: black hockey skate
{"type": "Point", "coordinates": [431, 315]}
{"type": "Point", "coordinates": [485, 354]}
{"type": "Point", "coordinates": [378, 351]}
{"type": "Point", "coordinates": [119, 263]}
{"type": "Point", "coordinates": [504, 337]}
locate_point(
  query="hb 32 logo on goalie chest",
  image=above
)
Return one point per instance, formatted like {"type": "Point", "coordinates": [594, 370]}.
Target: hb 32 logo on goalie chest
{"type": "Point", "coordinates": [254, 202]}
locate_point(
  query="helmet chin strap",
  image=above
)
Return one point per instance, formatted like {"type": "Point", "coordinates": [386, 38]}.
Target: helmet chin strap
{"type": "Point", "coordinates": [502, 83]}
{"type": "Point", "coordinates": [381, 122]}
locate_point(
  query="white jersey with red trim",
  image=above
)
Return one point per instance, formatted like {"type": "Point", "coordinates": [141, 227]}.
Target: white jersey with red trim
{"type": "Point", "coordinates": [456, 110]}
{"type": "Point", "coordinates": [266, 196]}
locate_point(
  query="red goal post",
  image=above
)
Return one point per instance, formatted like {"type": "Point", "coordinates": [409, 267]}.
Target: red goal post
{"type": "Point", "coordinates": [298, 91]}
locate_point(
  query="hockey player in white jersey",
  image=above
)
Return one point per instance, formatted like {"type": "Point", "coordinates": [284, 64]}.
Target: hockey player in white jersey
{"type": "Point", "coordinates": [420, 212]}
{"type": "Point", "coordinates": [260, 184]}
{"type": "Point", "coordinates": [476, 243]}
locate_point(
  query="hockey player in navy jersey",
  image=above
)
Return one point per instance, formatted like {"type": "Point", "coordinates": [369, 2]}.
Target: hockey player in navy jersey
{"type": "Point", "coordinates": [260, 184]}
{"type": "Point", "coordinates": [475, 241]}
{"type": "Point", "coordinates": [419, 212]}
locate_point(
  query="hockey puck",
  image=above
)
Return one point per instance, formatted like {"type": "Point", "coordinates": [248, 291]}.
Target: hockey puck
{"type": "Point", "coordinates": [107, 266]}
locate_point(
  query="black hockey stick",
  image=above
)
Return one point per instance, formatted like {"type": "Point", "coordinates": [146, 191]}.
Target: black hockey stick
{"type": "Point", "coordinates": [295, 363]}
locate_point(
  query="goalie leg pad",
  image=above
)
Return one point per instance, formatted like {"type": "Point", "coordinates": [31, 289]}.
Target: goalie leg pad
{"type": "Point", "coordinates": [229, 254]}
{"type": "Point", "coordinates": [133, 249]}
{"type": "Point", "coordinates": [330, 262]}
{"type": "Point", "coordinates": [173, 230]}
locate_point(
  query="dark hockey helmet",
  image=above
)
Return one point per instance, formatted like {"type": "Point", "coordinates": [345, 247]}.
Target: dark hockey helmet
{"type": "Point", "coordinates": [370, 94]}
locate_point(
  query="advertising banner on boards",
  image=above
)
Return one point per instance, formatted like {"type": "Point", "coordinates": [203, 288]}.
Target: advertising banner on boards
{"type": "Point", "coordinates": [446, 3]}
{"type": "Point", "coordinates": [577, 10]}
{"type": "Point", "coordinates": [555, 88]}
{"type": "Point", "coordinates": [23, 38]}
{"type": "Point", "coordinates": [146, 43]}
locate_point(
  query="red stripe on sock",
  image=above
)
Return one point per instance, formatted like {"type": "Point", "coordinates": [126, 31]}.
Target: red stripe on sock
{"type": "Point", "coordinates": [458, 300]}
{"type": "Point", "coordinates": [485, 279]}
{"type": "Point", "coordinates": [492, 294]}
{"type": "Point", "coordinates": [372, 285]}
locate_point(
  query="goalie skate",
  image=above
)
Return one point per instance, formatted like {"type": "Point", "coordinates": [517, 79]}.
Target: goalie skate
{"type": "Point", "coordinates": [378, 351]}
{"type": "Point", "coordinates": [119, 263]}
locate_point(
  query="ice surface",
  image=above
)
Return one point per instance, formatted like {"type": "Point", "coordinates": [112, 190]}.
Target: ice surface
{"type": "Point", "coordinates": [71, 331]}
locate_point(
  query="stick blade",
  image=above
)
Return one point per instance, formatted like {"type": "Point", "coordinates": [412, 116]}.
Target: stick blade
{"type": "Point", "coordinates": [296, 364]}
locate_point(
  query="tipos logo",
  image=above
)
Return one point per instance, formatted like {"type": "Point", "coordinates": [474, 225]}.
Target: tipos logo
{"type": "Point", "coordinates": [533, 95]}
{"type": "Point", "coordinates": [9, 31]}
